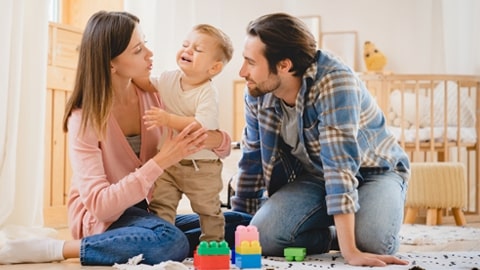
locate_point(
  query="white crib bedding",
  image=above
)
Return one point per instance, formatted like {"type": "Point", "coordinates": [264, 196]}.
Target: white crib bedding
{"type": "Point", "coordinates": [417, 116]}
{"type": "Point", "coordinates": [467, 134]}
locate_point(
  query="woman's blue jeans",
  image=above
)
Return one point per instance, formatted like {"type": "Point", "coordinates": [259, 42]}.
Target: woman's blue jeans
{"type": "Point", "coordinates": [140, 232]}
{"type": "Point", "coordinates": [296, 215]}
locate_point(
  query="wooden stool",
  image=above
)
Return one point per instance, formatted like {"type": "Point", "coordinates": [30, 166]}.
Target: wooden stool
{"type": "Point", "coordinates": [436, 186]}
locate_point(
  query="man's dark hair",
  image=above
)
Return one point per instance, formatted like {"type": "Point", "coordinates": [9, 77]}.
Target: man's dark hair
{"type": "Point", "coordinates": [285, 37]}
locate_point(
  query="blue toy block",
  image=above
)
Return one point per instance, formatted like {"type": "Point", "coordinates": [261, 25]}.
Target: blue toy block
{"type": "Point", "coordinates": [232, 256]}
{"type": "Point", "coordinates": [243, 261]}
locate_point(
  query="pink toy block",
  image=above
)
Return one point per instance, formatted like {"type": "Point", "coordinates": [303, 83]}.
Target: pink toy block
{"type": "Point", "coordinates": [245, 233]}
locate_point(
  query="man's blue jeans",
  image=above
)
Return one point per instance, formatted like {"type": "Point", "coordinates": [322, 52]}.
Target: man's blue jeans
{"type": "Point", "coordinates": [296, 215]}
{"type": "Point", "coordinates": [140, 232]}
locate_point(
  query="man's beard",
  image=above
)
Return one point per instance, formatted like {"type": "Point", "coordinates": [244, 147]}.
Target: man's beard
{"type": "Point", "coordinates": [265, 87]}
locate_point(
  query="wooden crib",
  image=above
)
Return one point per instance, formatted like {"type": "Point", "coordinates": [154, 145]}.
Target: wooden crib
{"type": "Point", "coordinates": [436, 118]}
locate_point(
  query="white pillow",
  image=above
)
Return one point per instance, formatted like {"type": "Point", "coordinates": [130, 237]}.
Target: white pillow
{"type": "Point", "coordinates": [467, 112]}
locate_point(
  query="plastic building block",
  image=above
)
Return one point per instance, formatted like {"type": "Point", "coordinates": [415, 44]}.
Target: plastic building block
{"type": "Point", "coordinates": [211, 262]}
{"type": "Point", "coordinates": [232, 256]}
{"type": "Point", "coordinates": [294, 253]}
{"type": "Point", "coordinates": [245, 233]}
{"type": "Point", "coordinates": [249, 247]}
{"type": "Point", "coordinates": [248, 260]}
{"type": "Point", "coordinates": [213, 248]}
{"type": "Point", "coordinates": [212, 255]}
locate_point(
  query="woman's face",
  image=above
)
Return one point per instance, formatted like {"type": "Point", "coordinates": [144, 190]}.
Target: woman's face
{"type": "Point", "coordinates": [136, 60]}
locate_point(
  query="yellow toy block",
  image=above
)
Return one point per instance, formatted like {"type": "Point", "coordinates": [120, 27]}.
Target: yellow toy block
{"type": "Point", "coordinates": [249, 247]}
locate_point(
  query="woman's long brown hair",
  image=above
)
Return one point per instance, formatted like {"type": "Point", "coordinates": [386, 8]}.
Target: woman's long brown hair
{"type": "Point", "coordinates": [106, 36]}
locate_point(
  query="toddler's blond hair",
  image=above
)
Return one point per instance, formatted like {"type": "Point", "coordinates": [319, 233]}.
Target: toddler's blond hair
{"type": "Point", "coordinates": [224, 42]}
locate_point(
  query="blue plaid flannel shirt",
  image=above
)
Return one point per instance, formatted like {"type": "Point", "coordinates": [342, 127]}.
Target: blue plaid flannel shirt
{"type": "Point", "coordinates": [341, 127]}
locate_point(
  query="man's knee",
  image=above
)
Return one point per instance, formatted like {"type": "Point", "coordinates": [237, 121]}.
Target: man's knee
{"type": "Point", "coordinates": [379, 244]}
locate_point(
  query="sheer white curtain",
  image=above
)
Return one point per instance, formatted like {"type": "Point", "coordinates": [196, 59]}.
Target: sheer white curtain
{"type": "Point", "coordinates": [165, 24]}
{"type": "Point", "coordinates": [461, 36]}
{"type": "Point", "coordinates": [23, 60]}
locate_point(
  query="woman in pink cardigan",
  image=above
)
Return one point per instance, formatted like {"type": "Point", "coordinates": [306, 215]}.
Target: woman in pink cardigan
{"type": "Point", "coordinates": [115, 160]}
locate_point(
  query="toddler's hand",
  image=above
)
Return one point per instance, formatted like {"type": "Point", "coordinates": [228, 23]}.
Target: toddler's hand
{"type": "Point", "coordinates": [156, 117]}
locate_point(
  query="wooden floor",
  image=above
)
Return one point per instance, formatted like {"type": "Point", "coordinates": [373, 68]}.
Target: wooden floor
{"type": "Point", "coordinates": [228, 171]}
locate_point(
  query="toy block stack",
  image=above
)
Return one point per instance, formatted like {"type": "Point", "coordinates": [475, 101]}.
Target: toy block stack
{"type": "Point", "coordinates": [248, 253]}
{"type": "Point", "coordinates": [212, 255]}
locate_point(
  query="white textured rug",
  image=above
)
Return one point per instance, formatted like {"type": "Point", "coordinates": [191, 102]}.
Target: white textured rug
{"type": "Point", "coordinates": [418, 261]}
{"type": "Point", "coordinates": [410, 235]}
{"type": "Point", "coordinates": [431, 260]}
{"type": "Point", "coordinates": [432, 235]}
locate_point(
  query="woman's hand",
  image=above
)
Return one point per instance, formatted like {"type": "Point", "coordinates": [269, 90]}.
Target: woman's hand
{"type": "Point", "coordinates": [189, 141]}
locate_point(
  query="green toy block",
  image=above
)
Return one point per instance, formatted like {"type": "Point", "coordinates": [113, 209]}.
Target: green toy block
{"type": "Point", "coordinates": [213, 248]}
{"type": "Point", "coordinates": [294, 253]}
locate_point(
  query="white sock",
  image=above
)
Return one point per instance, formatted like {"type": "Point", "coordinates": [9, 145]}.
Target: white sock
{"type": "Point", "coordinates": [32, 251]}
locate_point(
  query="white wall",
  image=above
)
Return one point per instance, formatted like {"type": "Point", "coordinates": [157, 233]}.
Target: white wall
{"type": "Point", "coordinates": [410, 32]}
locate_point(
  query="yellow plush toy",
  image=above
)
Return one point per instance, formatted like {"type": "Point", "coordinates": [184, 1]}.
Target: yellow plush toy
{"type": "Point", "coordinates": [374, 59]}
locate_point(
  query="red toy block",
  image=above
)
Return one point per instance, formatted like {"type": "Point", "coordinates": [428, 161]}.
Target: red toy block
{"type": "Point", "coordinates": [211, 262]}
